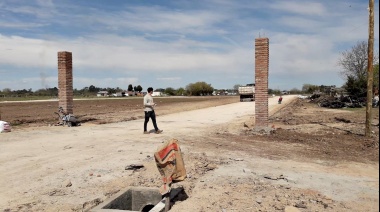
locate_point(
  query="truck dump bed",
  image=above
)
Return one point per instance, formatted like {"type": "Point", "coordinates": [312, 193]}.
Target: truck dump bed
{"type": "Point", "coordinates": [246, 90]}
{"type": "Point", "coordinates": [247, 93]}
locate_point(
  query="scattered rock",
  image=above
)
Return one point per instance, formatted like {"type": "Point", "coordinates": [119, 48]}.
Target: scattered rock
{"type": "Point", "coordinates": [67, 183]}
{"type": "Point", "coordinates": [279, 206]}
{"type": "Point", "coordinates": [211, 166]}
{"type": "Point", "coordinates": [280, 177]}
{"type": "Point", "coordinates": [259, 200]}
{"type": "Point", "coordinates": [67, 147]}
{"type": "Point", "coordinates": [134, 167]}
{"type": "Point", "coordinates": [56, 192]}
{"type": "Point", "coordinates": [245, 170]}
{"type": "Point", "coordinates": [237, 159]}
{"type": "Point", "coordinates": [300, 205]}
{"type": "Point", "coordinates": [90, 204]}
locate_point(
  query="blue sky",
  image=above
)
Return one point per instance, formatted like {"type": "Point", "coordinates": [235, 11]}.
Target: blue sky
{"type": "Point", "coordinates": [173, 43]}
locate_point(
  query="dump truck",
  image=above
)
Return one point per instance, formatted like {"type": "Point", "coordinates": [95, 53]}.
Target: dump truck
{"type": "Point", "coordinates": [247, 93]}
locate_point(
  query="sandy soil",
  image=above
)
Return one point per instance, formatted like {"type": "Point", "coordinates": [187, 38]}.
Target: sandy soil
{"type": "Point", "coordinates": [311, 161]}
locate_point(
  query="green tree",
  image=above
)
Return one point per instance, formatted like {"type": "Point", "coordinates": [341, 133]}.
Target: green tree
{"type": "Point", "coordinates": [118, 89]}
{"type": "Point", "coordinates": [295, 91]}
{"type": "Point", "coordinates": [356, 87]}
{"type": "Point", "coordinates": [139, 88]}
{"type": "Point", "coordinates": [170, 91]}
{"type": "Point", "coordinates": [110, 90]}
{"type": "Point", "coordinates": [236, 87]}
{"type": "Point", "coordinates": [7, 91]}
{"type": "Point", "coordinates": [274, 91]}
{"type": "Point", "coordinates": [199, 89]}
{"type": "Point", "coordinates": [309, 88]}
{"type": "Point", "coordinates": [92, 88]}
{"type": "Point", "coordinates": [181, 91]}
{"type": "Point", "coordinates": [130, 87]}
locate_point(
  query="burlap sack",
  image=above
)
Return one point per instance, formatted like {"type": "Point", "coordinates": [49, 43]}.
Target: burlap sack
{"type": "Point", "coordinates": [170, 164]}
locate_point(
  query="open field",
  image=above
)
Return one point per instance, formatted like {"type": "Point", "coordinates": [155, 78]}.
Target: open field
{"type": "Point", "coordinates": [315, 159]}
{"type": "Point", "coordinates": [101, 110]}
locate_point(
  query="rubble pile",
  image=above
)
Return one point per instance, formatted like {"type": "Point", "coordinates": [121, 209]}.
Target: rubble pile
{"type": "Point", "coordinates": [338, 102]}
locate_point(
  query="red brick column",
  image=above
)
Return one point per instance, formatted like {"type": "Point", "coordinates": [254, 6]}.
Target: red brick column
{"type": "Point", "coordinates": [261, 81]}
{"type": "Point", "coordinates": [65, 81]}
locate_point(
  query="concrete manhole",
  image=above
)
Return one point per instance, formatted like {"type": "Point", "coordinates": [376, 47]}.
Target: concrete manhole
{"type": "Point", "coordinates": [140, 199]}
{"type": "Point", "coordinates": [135, 199]}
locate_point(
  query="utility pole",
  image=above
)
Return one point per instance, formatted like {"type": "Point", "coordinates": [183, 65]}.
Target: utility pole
{"type": "Point", "coordinates": [368, 121]}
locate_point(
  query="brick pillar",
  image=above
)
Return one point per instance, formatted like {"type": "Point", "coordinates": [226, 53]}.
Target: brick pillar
{"type": "Point", "coordinates": [65, 81]}
{"type": "Point", "coordinates": [261, 81]}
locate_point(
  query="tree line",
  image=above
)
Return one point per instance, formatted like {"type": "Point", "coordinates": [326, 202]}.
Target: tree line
{"type": "Point", "coordinates": [354, 72]}
{"type": "Point", "coordinates": [192, 89]}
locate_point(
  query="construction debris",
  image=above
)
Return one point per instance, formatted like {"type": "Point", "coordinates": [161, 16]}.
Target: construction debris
{"type": "Point", "coordinates": [342, 120]}
{"type": "Point", "coordinates": [66, 119]}
{"type": "Point", "coordinates": [134, 167]}
{"type": "Point", "coordinates": [338, 102]}
{"type": "Point", "coordinates": [4, 127]}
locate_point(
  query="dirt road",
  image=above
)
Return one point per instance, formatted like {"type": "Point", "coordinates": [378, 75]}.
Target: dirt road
{"type": "Point", "coordinates": [74, 169]}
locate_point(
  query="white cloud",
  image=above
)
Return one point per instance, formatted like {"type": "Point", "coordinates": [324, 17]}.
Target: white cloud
{"type": "Point", "coordinates": [302, 8]}
{"type": "Point", "coordinates": [24, 52]}
{"type": "Point", "coordinates": [20, 25]}
{"type": "Point", "coordinates": [302, 54]}
{"type": "Point", "coordinates": [169, 78]}
{"type": "Point", "coordinates": [172, 45]}
{"type": "Point", "coordinates": [161, 20]}
{"type": "Point", "coordinates": [124, 54]}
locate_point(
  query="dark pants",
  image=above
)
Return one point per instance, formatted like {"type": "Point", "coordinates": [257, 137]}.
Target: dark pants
{"type": "Point", "coordinates": [152, 115]}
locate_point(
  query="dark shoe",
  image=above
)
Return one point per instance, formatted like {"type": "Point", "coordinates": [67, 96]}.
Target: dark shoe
{"type": "Point", "coordinates": [146, 132]}
{"type": "Point", "coordinates": [158, 131]}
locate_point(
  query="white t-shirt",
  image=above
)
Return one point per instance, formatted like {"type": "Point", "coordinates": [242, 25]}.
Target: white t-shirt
{"type": "Point", "coordinates": [148, 102]}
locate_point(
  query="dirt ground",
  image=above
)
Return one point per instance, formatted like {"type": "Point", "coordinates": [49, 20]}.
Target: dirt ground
{"type": "Point", "coordinates": [100, 110]}
{"type": "Point", "coordinates": [313, 159]}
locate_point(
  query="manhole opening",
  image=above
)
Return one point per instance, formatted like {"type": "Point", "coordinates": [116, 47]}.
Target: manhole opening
{"type": "Point", "coordinates": [147, 208]}
{"type": "Point", "coordinates": [139, 199]}
{"type": "Point", "coordinates": [135, 199]}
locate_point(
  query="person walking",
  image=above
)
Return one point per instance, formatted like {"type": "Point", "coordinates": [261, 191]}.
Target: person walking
{"type": "Point", "coordinates": [149, 111]}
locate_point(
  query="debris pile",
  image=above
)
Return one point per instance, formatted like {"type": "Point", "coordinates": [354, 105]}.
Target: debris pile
{"type": "Point", "coordinates": [338, 102]}
{"type": "Point", "coordinates": [4, 127]}
{"type": "Point", "coordinates": [66, 119]}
